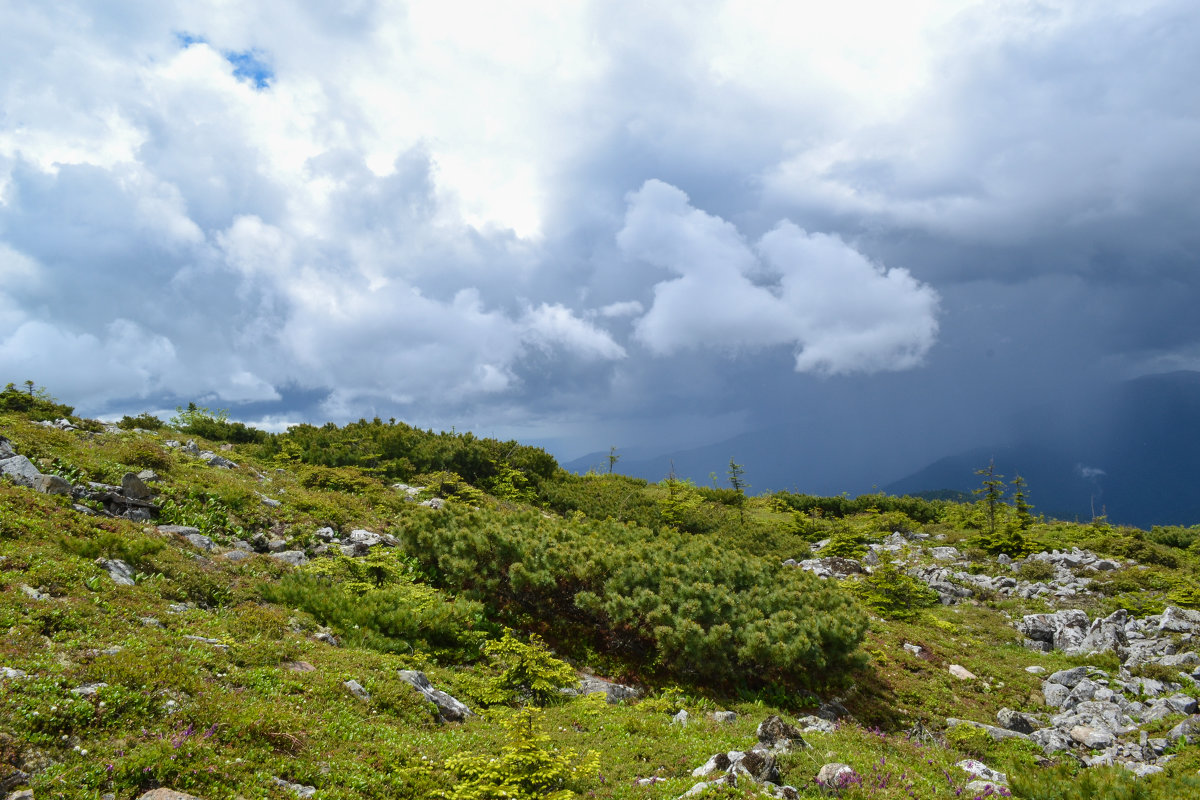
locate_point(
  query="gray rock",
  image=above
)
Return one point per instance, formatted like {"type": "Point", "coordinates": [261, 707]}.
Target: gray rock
{"type": "Point", "coordinates": [34, 594]}
{"type": "Point", "coordinates": [758, 765]}
{"type": "Point", "coordinates": [88, 689]}
{"type": "Point", "coordinates": [435, 503]}
{"type": "Point", "coordinates": [132, 486]}
{"type": "Point", "coordinates": [945, 553]}
{"type": "Point", "coordinates": [835, 775]}
{"type": "Point", "coordinates": [1094, 738]}
{"type": "Point", "coordinates": [997, 734]}
{"type": "Point", "coordinates": [295, 788]}
{"type": "Point", "coordinates": [1189, 730]}
{"type": "Point", "coordinates": [6, 450]}
{"type": "Point", "coordinates": [719, 762]}
{"type": "Point", "coordinates": [811, 724]}
{"type": "Point", "coordinates": [220, 462]}
{"type": "Point", "coordinates": [680, 718]}
{"type": "Point", "coordinates": [296, 558]}
{"type": "Point", "coordinates": [359, 536]}
{"type": "Point", "coordinates": [982, 788]}
{"type": "Point", "coordinates": [1016, 721]}
{"type": "Point", "coordinates": [166, 794]}
{"type": "Point", "coordinates": [1182, 704]}
{"type": "Point", "coordinates": [52, 484]}
{"type": "Point", "coordinates": [1179, 620]}
{"type": "Point", "coordinates": [1068, 677]}
{"type": "Point", "coordinates": [1051, 740]}
{"type": "Point", "coordinates": [326, 638]}
{"type": "Point", "coordinates": [977, 769]}
{"type": "Point", "coordinates": [269, 502]}
{"type": "Point", "coordinates": [358, 691]}
{"type": "Point", "coordinates": [725, 717]}
{"type": "Point", "coordinates": [20, 470]}
{"type": "Point", "coordinates": [774, 732]}
{"type": "Point", "coordinates": [178, 530]}
{"type": "Point", "coordinates": [235, 555]}
{"type": "Point", "coordinates": [200, 541]}
{"type": "Point", "coordinates": [120, 572]}
{"type": "Point", "coordinates": [326, 534]}
{"type": "Point", "coordinates": [449, 708]}
{"type": "Point", "coordinates": [1142, 770]}
{"type": "Point", "coordinates": [614, 692]}
{"type": "Point", "coordinates": [11, 673]}
{"type": "Point", "coordinates": [1105, 636]}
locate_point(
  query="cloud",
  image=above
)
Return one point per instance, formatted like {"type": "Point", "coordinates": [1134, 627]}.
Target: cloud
{"type": "Point", "coordinates": [838, 310]}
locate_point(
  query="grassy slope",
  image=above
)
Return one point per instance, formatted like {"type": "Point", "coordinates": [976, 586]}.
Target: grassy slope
{"type": "Point", "coordinates": [224, 721]}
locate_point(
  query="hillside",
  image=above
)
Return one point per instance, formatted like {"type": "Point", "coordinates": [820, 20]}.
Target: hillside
{"type": "Point", "coordinates": [379, 611]}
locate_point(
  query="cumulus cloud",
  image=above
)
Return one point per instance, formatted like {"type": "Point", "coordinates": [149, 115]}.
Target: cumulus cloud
{"type": "Point", "coordinates": [838, 310]}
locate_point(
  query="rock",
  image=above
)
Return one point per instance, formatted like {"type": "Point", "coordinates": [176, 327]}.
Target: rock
{"type": "Point", "coordinates": [1016, 721]}
{"type": "Point", "coordinates": [132, 486]}
{"type": "Point", "coordinates": [832, 710]}
{"type": "Point", "coordinates": [298, 666]}
{"type": "Point", "coordinates": [88, 689]}
{"type": "Point", "coordinates": [1182, 704]}
{"type": "Point", "coordinates": [220, 462]}
{"type": "Point", "coordinates": [1142, 770]}
{"type": "Point", "coordinates": [1068, 677]}
{"type": "Point", "coordinates": [1189, 730]}
{"type": "Point", "coordinates": [269, 502]}
{"type": "Point", "coordinates": [327, 637]}
{"type": "Point", "coordinates": [912, 648]}
{"type": "Point", "coordinates": [20, 470]}
{"type": "Point", "coordinates": [726, 717]}
{"type": "Point", "coordinates": [326, 534]}
{"type": "Point", "coordinates": [34, 594]}
{"type": "Point", "coordinates": [774, 732]}
{"type": "Point", "coordinates": [810, 723]}
{"type": "Point", "coordinates": [836, 775]}
{"type": "Point", "coordinates": [235, 555]}
{"type": "Point", "coordinates": [680, 718]}
{"type": "Point", "coordinates": [364, 537]}
{"type": "Point", "coordinates": [357, 690]}
{"type": "Point", "coordinates": [121, 573]}
{"type": "Point", "coordinates": [977, 769]}
{"type": "Point", "coordinates": [201, 542]}
{"type": "Point", "coordinates": [21, 794]}
{"type": "Point", "coordinates": [1051, 740]}
{"type": "Point", "coordinates": [166, 794]}
{"type": "Point", "coordinates": [295, 788]}
{"type": "Point", "coordinates": [178, 530]}
{"type": "Point", "coordinates": [1095, 738]}
{"type": "Point", "coordinates": [962, 673]}
{"type": "Point", "coordinates": [434, 502]}
{"type": "Point", "coordinates": [758, 765]}
{"type": "Point", "coordinates": [1036, 670]}
{"type": "Point", "coordinates": [52, 484]}
{"type": "Point", "coordinates": [1179, 620]}
{"type": "Point", "coordinates": [1105, 636]}
{"type": "Point", "coordinates": [10, 673]}
{"type": "Point", "coordinates": [449, 709]}
{"type": "Point", "coordinates": [945, 553]}
{"type": "Point", "coordinates": [296, 558]}
{"type": "Point", "coordinates": [997, 734]}
{"type": "Point", "coordinates": [615, 692]}
{"type": "Point", "coordinates": [720, 762]}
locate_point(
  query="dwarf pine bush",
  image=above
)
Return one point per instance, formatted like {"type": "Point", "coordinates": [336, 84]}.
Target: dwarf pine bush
{"type": "Point", "coordinates": [678, 604]}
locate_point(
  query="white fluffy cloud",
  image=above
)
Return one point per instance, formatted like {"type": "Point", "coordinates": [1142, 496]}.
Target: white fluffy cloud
{"type": "Point", "coordinates": [841, 312]}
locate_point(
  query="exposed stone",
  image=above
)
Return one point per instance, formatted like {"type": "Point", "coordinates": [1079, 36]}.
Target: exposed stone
{"type": "Point", "coordinates": [296, 558]}
{"type": "Point", "coordinates": [614, 692]}
{"type": "Point", "coordinates": [20, 470]}
{"type": "Point", "coordinates": [774, 732]}
{"type": "Point", "coordinates": [166, 794]}
{"type": "Point", "coordinates": [997, 734]}
{"type": "Point", "coordinates": [295, 788]}
{"type": "Point", "coordinates": [132, 486]}
{"type": "Point", "coordinates": [977, 769]}
{"type": "Point", "coordinates": [178, 530]}
{"type": "Point", "coordinates": [1016, 721]}
{"type": "Point", "coordinates": [120, 572]}
{"type": "Point", "coordinates": [52, 484]}
{"type": "Point", "coordinates": [1182, 704]}
{"type": "Point", "coordinates": [719, 762]}
{"type": "Point", "coordinates": [961, 672]}
{"type": "Point", "coordinates": [1095, 738]}
{"type": "Point", "coordinates": [449, 708]}
{"type": "Point", "coordinates": [810, 723]}
{"type": "Point", "coordinates": [357, 690]}
{"type": "Point", "coordinates": [1068, 677]}
{"type": "Point", "coordinates": [723, 716]}
{"type": "Point", "coordinates": [201, 542]}
{"type": "Point", "coordinates": [835, 775]}
{"type": "Point", "coordinates": [680, 718]}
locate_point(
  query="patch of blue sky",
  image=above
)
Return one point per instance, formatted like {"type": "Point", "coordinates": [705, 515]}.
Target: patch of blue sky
{"type": "Point", "coordinates": [248, 65]}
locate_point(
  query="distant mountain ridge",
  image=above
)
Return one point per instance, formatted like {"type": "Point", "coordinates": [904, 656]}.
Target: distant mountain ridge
{"type": "Point", "coordinates": [1132, 455]}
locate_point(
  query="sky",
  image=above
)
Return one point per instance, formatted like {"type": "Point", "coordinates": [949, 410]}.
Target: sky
{"type": "Point", "coordinates": [584, 225]}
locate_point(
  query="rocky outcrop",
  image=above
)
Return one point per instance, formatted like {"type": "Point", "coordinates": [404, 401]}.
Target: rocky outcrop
{"type": "Point", "coordinates": [449, 709]}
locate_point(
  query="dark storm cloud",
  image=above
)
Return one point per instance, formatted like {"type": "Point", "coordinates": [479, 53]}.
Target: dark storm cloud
{"type": "Point", "coordinates": [603, 224]}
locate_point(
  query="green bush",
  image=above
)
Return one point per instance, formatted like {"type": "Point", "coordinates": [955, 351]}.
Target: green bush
{"type": "Point", "coordinates": [33, 402]}
{"type": "Point", "coordinates": [1035, 570]}
{"type": "Point", "coordinates": [147, 422]}
{"type": "Point", "coordinates": [892, 593]}
{"type": "Point", "coordinates": [671, 603]}
{"type": "Point", "coordinates": [527, 767]}
{"type": "Point", "coordinates": [528, 672]}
